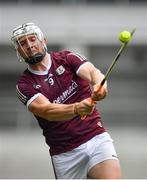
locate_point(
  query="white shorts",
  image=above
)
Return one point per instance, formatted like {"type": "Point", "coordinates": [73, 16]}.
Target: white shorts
{"type": "Point", "coordinates": [76, 164]}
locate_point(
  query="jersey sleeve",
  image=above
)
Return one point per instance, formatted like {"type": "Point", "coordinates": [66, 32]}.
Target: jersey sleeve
{"type": "Point", "coordinates": [26, 93]}
{"type": "Point", "coordinates": [76, 61]}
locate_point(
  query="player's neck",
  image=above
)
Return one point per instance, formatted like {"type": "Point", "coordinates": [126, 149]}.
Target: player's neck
{"type": "Point", "coordinates": [41, 66]}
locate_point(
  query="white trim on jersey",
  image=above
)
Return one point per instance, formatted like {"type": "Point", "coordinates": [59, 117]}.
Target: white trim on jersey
{"type": "Point", "coordinates": [81, 57]}
{"type": "Point", "coordinates": [32, 99]}
{"type": "Point", "coordinates": [42, 72]}
{"type": "Point", "coordinates": [81, 67]}
{"type": "Point", "coordinates": [21, 96]}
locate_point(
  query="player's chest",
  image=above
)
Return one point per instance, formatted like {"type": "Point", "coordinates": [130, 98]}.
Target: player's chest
{"type": "Point", "coordinates": [57, 82]}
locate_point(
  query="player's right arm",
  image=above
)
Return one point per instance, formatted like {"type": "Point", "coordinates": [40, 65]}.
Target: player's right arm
{"type": "Point", "coordinates": [42, 107]}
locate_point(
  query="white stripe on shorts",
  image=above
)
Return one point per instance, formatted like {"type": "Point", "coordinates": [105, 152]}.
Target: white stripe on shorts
{"type": "Point", "coordinates": [76, 164]}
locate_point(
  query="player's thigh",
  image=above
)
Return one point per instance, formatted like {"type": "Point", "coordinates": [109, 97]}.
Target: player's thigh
{"type": "Point", "coordinates": [71, 164]}
{"type": "Point", "coordinates": [108, 169]}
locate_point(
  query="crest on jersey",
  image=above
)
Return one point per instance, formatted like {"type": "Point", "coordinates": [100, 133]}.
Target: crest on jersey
{"type": "Point", "coordinates": [37, 86]}
{"type": "Point", "coordinates": [60, 70]}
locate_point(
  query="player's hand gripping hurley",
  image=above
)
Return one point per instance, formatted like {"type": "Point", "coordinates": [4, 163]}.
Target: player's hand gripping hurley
{"type": "Point", "coordinates": [124, 37]}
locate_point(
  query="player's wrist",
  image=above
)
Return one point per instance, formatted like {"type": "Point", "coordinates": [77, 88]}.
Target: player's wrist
{"type": "Point", "coordinates": [75, 108]}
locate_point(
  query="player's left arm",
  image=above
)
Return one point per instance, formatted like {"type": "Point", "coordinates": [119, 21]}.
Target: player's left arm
{"type": "Point", "coordinates": [94, 76]}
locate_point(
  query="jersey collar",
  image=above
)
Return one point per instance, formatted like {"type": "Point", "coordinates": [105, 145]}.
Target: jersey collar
{"type": "Point", "coordinates": [42, 72]}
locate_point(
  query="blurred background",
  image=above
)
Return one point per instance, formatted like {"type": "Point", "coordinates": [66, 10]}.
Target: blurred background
{"type": "Point", "coordinates": [91, 28]}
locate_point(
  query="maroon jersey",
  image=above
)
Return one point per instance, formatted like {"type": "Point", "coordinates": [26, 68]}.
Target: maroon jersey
{"type": "Point", "coordinates": [61, 84]}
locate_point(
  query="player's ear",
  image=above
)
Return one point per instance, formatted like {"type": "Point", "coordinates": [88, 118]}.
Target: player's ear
{"type": "Point", "coordinates": [45, 40]}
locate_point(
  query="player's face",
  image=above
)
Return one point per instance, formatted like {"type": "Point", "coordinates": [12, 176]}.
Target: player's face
{"type": "Point", "coordinates": [30, 45]}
